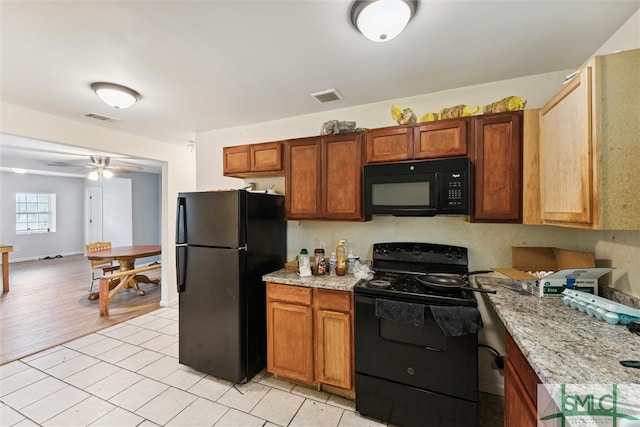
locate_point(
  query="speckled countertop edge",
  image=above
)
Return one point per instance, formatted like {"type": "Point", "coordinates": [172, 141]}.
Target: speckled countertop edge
{"type": "Point", "coordinates": [287, 277]}
{"type": "Point", "coordinates": [563, 345]}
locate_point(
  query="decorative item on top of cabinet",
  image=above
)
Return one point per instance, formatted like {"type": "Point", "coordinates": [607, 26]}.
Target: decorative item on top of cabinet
{"type": "Point", "coordinates": [243, 161]}
{"type": "Point", "coordinates": [590, 147]}
{"type": "Point", "coordinates": [497, 157]}
{"type": "Point", "coordinates": [323, 177]}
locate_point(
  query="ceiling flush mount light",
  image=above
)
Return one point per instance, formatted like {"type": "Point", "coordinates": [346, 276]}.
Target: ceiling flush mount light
{"type": "Point", "coordinates": [115, 95]}
{"type": "Point", "coordinates": [382, 20]}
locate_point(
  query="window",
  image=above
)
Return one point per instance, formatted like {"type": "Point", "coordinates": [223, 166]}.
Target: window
{"type": "Point", "coordinates": [35, 213]}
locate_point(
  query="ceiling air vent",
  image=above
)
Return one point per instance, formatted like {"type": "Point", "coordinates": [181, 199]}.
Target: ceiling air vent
{"type": "Point", "coordinates": [328, 95]}
{"type": "Point", "coordinates": [99, 117]}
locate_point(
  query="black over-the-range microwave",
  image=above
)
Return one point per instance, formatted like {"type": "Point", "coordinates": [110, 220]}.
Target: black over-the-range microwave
{"type": "Point", "coordinates": [418, 188]}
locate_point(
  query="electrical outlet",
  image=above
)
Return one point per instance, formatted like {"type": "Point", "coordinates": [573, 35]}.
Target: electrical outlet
{"type": "Point", "coordinates": [497, 362]}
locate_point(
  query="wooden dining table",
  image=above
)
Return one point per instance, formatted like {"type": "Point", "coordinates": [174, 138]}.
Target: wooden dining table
{"type": "Point", "coordinates": [126, 257]}
{"type": "Point", "coordinates": [5, 249]}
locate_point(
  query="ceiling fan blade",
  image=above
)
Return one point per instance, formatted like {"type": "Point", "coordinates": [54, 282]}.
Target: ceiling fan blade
{"type": "Point", "coordinates": [125, 169]}
{"type": "Point", "coordinates": [62, 164]}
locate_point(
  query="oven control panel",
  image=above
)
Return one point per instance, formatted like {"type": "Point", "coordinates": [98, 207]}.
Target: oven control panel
{"type": "Point", "coordinates": [422, 253]}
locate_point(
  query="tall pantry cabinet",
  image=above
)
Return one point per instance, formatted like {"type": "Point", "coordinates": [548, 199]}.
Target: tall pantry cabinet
{"type": "Point", "coordinates": [590, 147]}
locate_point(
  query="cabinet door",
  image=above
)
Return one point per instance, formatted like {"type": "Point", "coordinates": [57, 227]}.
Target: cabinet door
{"type": "Point", "coordinates": [565, 154]}
{"type": "Point", "coordinates": [303, 178]}
{"type": "Point", "coordinates": [342, 177]}
{"type": "Point", "coordinates": [333, 348]}
{"type": "Point", "coordinates": [519, 409]}
{"type": "Point", "coordinates": [266, 157]}
{"type": "Point", "coordinates": [235, 160]}
{"type": "Point", "coordinates": [443, 138]}
{"type": "Point", "coordinates": [389, 144]}
{"type": "Point", "coordinates": [290, 340]}
{"type": "Point", "coordinates": [497, 140]}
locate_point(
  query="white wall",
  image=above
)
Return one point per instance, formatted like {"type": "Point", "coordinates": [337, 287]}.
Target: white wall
{"type": "Point", "coordinates": [69, 235]}
{"type": "Point", "coordinates": [146, 206]}
{"type": "Point", "coordinates": [117, 217]}
{"type": "Point", "coordinates": [489, 244]}
{"type": "Point", "coordinates": [178, 172]}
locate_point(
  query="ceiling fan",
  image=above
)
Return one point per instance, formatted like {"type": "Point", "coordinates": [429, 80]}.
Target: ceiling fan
{"type": "Point", "coordinates": [101, 167]}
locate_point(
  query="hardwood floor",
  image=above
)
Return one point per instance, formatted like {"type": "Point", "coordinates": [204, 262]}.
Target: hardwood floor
{"type": "Point", "coordinates": [48, 305]}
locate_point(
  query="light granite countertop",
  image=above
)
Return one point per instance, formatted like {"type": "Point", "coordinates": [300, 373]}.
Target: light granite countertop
{"type": "Point", "coordinates": [287, 277]}
{"type": "Point", "coordinates": [563, 345]}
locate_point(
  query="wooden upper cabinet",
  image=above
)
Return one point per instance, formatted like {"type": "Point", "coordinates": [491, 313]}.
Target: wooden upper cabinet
{"type": "Point", "coordinates": [497, 149]}
{"type": "Point", "coordinates": [566, 155]}
{"type": "Point", "coordinates": [441, 138]}
{"type": "Point", "coordinates": [342, 177]}
{"type": "Point", "coordinates": [590, 147]}
{"type": "Point", "coordinates": [429, 140]}
{"type": "Point", "coordinates": [391, 144]}
{"type": "Point", "coordinates": [235, 160]}
{"type": "Point", "coordinates": [266, 157]}
{"type": "Point", "coordinates": [243, 161]}
{"type": "Point", "coordinates": [323, 178]}
{"type": "Point", "coordinates": [303, 178]}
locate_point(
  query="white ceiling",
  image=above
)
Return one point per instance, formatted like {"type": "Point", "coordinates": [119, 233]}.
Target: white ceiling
{"type": "Point", "coordinates": [203, 65]}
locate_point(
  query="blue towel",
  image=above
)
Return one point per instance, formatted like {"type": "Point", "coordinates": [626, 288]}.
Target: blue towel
{"type": "Point", "coordinates": [400, 311]}
{"type": "Point", "coordinates": [457, 320]}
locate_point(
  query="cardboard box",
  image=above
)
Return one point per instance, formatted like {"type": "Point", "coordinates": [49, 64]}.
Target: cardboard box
{"type": "Point", "coordinates": [563, 263]}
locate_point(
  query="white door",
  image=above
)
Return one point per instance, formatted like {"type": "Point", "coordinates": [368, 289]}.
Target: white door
{"type": "Point", "coordinates": [93, 214]}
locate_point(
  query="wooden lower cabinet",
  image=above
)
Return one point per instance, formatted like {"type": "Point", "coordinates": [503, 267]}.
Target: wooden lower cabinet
{"type": "Point", "coordinates": [310, 336]}
{"type": "Point", "coordinates": [520, 388]}
{"type": "Point", "coordinates": [290, 349]}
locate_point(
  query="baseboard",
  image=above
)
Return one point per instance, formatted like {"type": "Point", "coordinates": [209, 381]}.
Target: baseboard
{"type": "Point", "coordinates": [36, 258]}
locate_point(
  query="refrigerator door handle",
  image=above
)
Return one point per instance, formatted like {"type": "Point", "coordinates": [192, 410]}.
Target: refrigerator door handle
{"type": "Point", "coordinates": [181, 267]}
{"type": "Point", "coordinates": [181, 221]}
{"type": "Point", "coordinates": [243, 248]}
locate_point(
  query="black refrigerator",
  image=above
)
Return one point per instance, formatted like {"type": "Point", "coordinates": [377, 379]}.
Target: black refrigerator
{"type": "Point", "coordinates": [225, 242]}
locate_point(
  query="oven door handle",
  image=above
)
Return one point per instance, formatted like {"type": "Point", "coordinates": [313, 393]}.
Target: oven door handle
{"type": "Point", "coordinates": [371, 301]}
{"type": "Point", "coordinates": [443, 348]}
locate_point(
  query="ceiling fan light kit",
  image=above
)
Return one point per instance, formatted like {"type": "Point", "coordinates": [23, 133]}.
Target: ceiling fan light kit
{"type": "Point", "coordinates": [382, 20]}
{"type": "Point", "coordinates": [115, 95]}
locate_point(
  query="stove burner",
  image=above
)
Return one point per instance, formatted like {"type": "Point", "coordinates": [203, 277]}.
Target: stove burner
{"type": "Point", "coordinates": [379, 283]}
{"type": "Point", "coordinates": [398, 264]}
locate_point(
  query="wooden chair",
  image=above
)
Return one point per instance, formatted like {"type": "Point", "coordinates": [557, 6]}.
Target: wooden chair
{"type": "Point", "coordinates": [100, 266]}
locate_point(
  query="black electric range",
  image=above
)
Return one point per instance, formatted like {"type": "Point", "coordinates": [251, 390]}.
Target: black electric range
{"type": "Point", "coordinates": [397, 265]}
{"type": "Point", "coordinates": [407, 373]}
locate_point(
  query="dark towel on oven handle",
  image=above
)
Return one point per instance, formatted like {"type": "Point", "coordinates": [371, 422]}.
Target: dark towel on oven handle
{"type": "Point", "coordinates": [457, 320]}
{"type": "Point", "coordinates": [400, 311]}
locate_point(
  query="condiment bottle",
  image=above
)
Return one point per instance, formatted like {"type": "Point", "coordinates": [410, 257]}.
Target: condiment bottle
{"type": "Point", "coordinates": [351, 260]}
{"type": "Point", "coordinates": [333, 263]}
{"type": "Point", "coordinates": [318, 262]}
{"type": "Point", "coordinates": [304, 263]}
{"type": "Point", "coordinates": [341, 258]}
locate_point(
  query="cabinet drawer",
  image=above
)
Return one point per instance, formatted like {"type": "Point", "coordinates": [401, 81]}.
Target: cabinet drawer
{"type": "Point", "coordinates": [520, 364]}
{"type": "Point", "coordinates": [333, 300]}
{"type": "Point", "coordinates": [289, 293]}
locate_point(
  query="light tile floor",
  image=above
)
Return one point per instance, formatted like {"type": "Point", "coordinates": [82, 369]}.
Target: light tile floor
{"type": "Point", "coordinates": [129, 375]}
